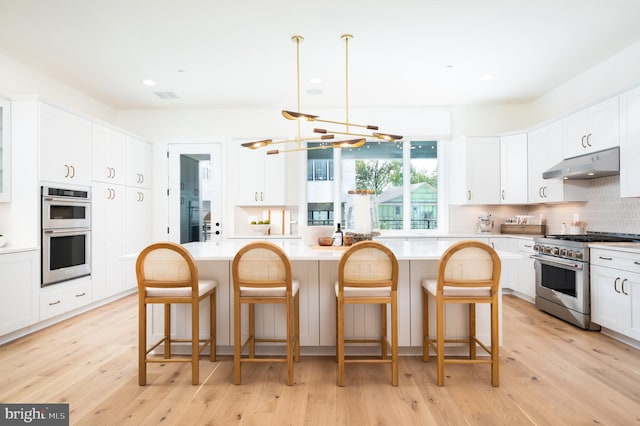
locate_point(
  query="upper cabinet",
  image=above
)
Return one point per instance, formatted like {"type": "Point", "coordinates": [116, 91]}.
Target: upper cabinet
{"type": "Point", "coordinates": [513, 169]}
{"type": "Point", "coordinates": [592, 129]}
{"type": "Point", "coordinates": [5, 151]}
{"type": "Point", "coordinates": [108, 155]}
{"type": "Point", "coordinates": [261, 178]}
{"type": "Point", "coordinates": [474, 170]}
{"type": "Point", "coordinates": [630, 143]}
{"type": "Point", "coordinates": [544, 151]}
{"type": "Point", "coordinates": [137, 162]}
{"type": "Point", "coordinates": [64, 147]}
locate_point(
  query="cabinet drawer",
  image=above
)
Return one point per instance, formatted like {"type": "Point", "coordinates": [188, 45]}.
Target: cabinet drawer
{"type": "Point", "coordinates": [61, 298]}
{"type": "Point", "coordinates": [525, 246]}
{"type": "Point", "coordinates": [616, 259]}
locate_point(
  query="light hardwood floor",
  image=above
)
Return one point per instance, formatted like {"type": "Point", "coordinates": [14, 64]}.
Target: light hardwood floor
{"type": "Point", "coordinates": [551, 373]}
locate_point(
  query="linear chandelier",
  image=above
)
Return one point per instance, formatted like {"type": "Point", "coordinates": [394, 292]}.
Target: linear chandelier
{"type": "Point", "coordinates": [325, 136]}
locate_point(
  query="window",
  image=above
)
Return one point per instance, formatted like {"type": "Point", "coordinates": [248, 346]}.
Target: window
{"type": "Point", "coordinates": [379, 166]}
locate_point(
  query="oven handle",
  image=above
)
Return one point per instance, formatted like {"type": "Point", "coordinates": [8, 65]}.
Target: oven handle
{"type": "Point", "coordinates": [68, 200]}
{"type": "Point", "coordinates": [67, 231]}
{"type": "Point", "coordinates": [576, 266]}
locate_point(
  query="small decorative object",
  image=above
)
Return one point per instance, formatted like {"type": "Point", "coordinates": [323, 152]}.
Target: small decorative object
{"type": "Point", "coordinates": [325, 241]}
{"type": "Point", "coordinates": [3, 240]}
{"type": "Point", "coordinates": [485, 224]}
{"type": "Point", "coordinates": [260, 227]}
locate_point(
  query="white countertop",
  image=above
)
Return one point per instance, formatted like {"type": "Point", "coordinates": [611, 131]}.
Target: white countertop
{"type": "Point", "coordinates": [628, 247]}
{"type": "Point", "coordinates": [297, 250]}
{"type": "Point", "coordinates": [16, 249]}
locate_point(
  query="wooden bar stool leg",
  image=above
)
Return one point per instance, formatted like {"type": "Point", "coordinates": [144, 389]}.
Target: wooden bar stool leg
{"type": "Point", "coordinates": [394, 341]}
{"type": "Point", "coordinates": [383, 323]}
{"type": "Point", "coordinates": [340, 348]}
{"type": "Point", "coordinates": [425, 325]}
{"type": "Point", "coordinates": [289, 342]}
{"type": "Point", "coordinates": [252, 330]}
{"type": "Point", "coordinates": [142, 342]}
{"type": "Point", "coordinates": [296, 319]}
{"type": "Point", "coordinates": [212, 327]}
{"type": "Point", "coordinates": [167, 330]}
{"type": "Point", "coordinates": [472, 331]}
{"type": "Point", "coordinates": [495, 345]}
{"type": "Point", "coordinates": [195, 343]}
{"type": "Point", "coordinates": [237, 342]}
{"type": "Point", "coordinates": [440, 337]}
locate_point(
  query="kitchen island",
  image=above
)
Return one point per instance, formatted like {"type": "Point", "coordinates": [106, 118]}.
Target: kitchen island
{"type": "Point", "coordinates": [317, 270]}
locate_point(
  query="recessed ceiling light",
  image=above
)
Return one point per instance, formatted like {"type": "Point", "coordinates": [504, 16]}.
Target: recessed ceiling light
{"type": "Point", "coordinates": [448, 68]}
{"type": "Point", "coordinates": [315, 80]}
{"type": "Point", "coordinates": [486, 77]}
{"type": "Point", "coordinates": [148, 82]}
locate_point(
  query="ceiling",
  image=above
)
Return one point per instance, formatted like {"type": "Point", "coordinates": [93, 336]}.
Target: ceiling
{"type": "Point", "coordinates": [239, 53]}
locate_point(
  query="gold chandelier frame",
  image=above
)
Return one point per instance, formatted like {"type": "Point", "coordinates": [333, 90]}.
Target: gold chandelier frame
{"type": "Point", "coordinates": [326, 136]}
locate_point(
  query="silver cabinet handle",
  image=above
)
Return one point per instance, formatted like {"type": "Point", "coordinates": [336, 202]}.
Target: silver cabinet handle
{"type": "Point", "coordinates": [622, 286]}
{"type": "Point", "coordinates": [57, 302]}
{"type": "Point", "coordinates": [81, 294]}
{"type": "Point", "coordinates": [468, 195]}
{"type": "Point", "coordinates": [636, 263]}
{"type": "Point", "coordinates": [582, 141]}
{"type": "Point", "coordinates": [589, 139]}
{"type": "Point", "coordinates": [605, 258]}
{"type": "Point", "coordinates": [503, 194]}
{"type": "Point", "coordinates": [615, 285]}
{"type": "Point", "coordinates": [73, 172]}
{"type": "Point", "coordinates": [255, 196]}
{"type": "Point", "coordinates": [66, 170]}
{"type": "Point", "coordinates": [261, 196]}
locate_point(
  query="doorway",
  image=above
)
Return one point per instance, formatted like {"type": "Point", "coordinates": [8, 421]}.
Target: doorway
{"type": "Point", "coordinates": [194, 194]}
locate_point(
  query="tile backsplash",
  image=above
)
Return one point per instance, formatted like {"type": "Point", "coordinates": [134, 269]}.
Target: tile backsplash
{"type": "Point", "coordinates": [604, 212]}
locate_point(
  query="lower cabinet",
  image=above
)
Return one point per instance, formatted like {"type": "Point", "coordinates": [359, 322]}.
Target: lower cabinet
{"type": "Point", "coordinates": [526, 275]}
{"type": "Point", "coordinates": [615, 291]}
{"type": "Point", "coordinates": [19, 272]}
{"type": "Point", "coordinates": [58, 299]}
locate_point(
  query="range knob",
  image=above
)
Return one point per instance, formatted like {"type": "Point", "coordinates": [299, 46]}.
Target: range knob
{"type": "Point", "coordinates": [570, 253]}
{"type": "Point", "coordinates": [563, 252]}
{"type": "Point", "coordinates": [555, 251]}
{"type": "Point", "coordinates": [578, 254]}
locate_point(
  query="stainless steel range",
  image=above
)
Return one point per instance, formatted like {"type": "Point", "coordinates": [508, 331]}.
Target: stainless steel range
{"type": "Point", "coordinates": [562, 274]}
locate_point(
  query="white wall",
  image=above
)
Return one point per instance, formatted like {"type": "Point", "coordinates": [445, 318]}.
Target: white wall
{"type": "Point", "coordinates": [19, 79]}
{"type": "Point", "coordinates": [610, 77]}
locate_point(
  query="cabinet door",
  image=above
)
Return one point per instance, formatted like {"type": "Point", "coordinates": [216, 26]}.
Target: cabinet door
{"type": "Point", "coordinates": [5, 152]}
{"type": "Point", "coordinates": [630, 143]}
{"type": "Point", "coordinates": [508, 273]}
{"type": "Point", "coordinates": [107, 234]}
{"type": "Point", "coordinates": [65, 147]}
{"type": "Point", "coordinates": [137, 162]}
{"type": "Point", "coordinates": [137, 226]}
{"type": "Point", "coordinates": [609, 306]}
{"type": "Point", "coordinates": [526, 269]}
{"type": "Point", "coordinates": [261, 178]}
{"type": "Point", "coordinates": [632, 288]}
{"type": "Point", "coordinates": [605, 125]}
{"type": "Point", "coordinates": [592, 129]}
{"type": "Point", "coordinates": [19, 272]}
{"type": "Point", "coordinates": [513, 169]}
{"type": "Point", "coordinates": [108, 156]}
{"type": "Point", "coordinates": [475, 171]}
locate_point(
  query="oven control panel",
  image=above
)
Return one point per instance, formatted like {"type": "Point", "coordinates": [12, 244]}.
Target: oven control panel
{"type": "Point", "coordinates": [562, 252]}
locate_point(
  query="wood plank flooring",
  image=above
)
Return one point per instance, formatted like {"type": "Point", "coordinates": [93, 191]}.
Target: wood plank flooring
{"type": "Point", "coordinates": [551, 373]}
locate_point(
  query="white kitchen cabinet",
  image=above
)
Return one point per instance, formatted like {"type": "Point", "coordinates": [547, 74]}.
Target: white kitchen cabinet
{"type": "Point", "coordinates": [137, 162]}
{"type": "Point", "coordinates": [544, 150]}
{"type": "Point", "coordinates": [261, 178]}
{"type": "Point", "coordinates": [526, 274]}
{"type": "Point", "coordinates": [64, 147]}
{"type": "Point", "coordinates": [61, 298]}
{"type": "Point", "coordinates": [137, 226]}
{"type": "Point", "coordinates": [108, 155]}
{"type": "Point", "coordinates": [19, 272]}
{"type": "Point", "coordinates": [474, 170]}
{"type": "Point", "coordinates": [513, 169]}
{"type": "Point", "coordinates": [107, 240]}
{"type": "Point", "coordinates": [508, 272]}
{"type": "Point", "coordinates": [5, 151]}
{"type": "Point", "coordinates": [630, 143]}
{"type": "Point", "coordinates": [592, 129]}
{"type": "Point", "coordinates": [615, 291]}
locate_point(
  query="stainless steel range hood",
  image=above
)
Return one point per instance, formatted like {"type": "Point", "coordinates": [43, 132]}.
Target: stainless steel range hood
{"type": "Point", "coordinates": [588, 166]}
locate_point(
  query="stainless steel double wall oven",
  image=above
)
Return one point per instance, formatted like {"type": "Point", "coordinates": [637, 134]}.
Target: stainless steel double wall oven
{"type": "Point", "coordinates": [66, 234]}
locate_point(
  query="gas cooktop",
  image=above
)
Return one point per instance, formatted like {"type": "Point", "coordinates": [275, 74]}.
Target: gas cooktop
{"type": "Point", "coordinates": [596, 237]}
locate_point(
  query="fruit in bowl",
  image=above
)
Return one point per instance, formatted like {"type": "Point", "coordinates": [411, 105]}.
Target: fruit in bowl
{"type": "Point", "coordinates": [260, 227]}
